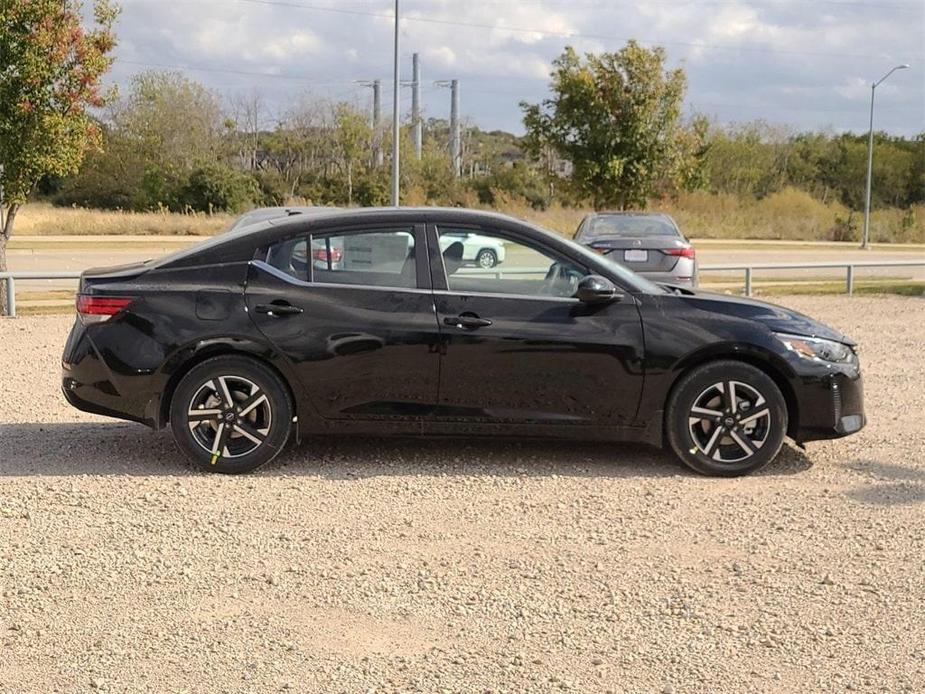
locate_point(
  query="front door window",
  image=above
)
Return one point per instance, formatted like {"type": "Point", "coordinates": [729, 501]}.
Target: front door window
{"type": "Point", "coordinates": [491, 263]}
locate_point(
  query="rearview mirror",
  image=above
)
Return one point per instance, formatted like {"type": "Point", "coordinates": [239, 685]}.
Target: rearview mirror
{"type": "Point", "coordinates": [595, 289]}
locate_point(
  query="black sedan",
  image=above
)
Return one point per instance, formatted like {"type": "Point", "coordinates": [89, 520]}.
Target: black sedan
{"type": "Point", "coordinates": [249, 340]}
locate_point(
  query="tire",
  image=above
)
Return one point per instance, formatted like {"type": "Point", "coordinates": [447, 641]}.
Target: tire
{"type": "Point", "coordinates": [711, 436]}
{"type": "Point", "coordinates": [255, 427]}
{"type": "Point", "coordinates": [486, 259]}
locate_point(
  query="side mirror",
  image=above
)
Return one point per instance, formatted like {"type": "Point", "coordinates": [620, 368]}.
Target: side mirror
{"type": "Point", "coordinates": [595, 289]}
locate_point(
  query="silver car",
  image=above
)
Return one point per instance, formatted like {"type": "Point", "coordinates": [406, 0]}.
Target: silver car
{"type": "Point", "coordinates": [648, 243]}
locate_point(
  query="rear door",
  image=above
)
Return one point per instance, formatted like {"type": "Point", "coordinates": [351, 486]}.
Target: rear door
{"type": "Point", "coordinates": [519, 348]}
{"type": "Point", "coordinates": [353, 310]}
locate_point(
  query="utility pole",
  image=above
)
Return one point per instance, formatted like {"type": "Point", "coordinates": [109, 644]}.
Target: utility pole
{"type": "Point", "coordinates": [416, 123]}
{"type": "Point", "coordinates": [455, 135]}
{"type": "Point", "coordinates": [377, 119]}
{"type": "Point", "coordinates": [396, 131]}
{"type": "Point", "coordinates": [865, 242]}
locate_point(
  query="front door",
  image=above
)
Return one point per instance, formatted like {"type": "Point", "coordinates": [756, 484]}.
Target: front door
{"type": "Point", "coordinates": [353, 311]}
{"type": "Point", "coordinates": [518, 347]}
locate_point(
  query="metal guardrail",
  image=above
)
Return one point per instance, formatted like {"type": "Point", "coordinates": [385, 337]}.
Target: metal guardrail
{"type": "Point", "coordinates": [749, 270]}
{"type": "Point", "coordinates": [11, 277]}
{"type": "Point", "coordinates": [848, 267]}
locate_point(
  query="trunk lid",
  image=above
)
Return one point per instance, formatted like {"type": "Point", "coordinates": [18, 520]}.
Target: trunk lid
{"type": "Point", "coordinates": [641, 253]}
{"type": "Point", "coordinates": [96, 276]}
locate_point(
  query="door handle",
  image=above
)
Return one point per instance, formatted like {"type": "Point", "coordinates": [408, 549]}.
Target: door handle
{"type": "Point", "coordinates": [278, 309]}
{"type": "Point", "coordinates": [469, 322]}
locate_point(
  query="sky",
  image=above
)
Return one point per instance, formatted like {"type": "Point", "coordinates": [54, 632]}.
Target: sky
{"type": "Point", "coordinates": [804, 64]}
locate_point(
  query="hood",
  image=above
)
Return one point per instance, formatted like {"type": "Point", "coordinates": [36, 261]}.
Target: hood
{"type": "Point", "coordinates": [777, 318]}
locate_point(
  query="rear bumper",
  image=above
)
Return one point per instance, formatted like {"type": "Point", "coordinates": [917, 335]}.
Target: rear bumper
{"type": "Point", "coordinates": [88, 384]}
{"type": "Point", "coordinates": [675, 277]}
{"type": "Point", "coordinates": [831, 407]}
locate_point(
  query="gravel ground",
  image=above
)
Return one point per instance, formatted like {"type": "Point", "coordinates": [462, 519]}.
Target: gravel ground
{"type": "Point", "coordinates": [396, 565]}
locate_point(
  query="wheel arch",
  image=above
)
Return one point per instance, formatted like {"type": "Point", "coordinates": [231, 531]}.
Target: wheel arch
{"type": "Point", "coordinates": [187, 359]}
{"type": "Point", "coordinates": [766, 362]}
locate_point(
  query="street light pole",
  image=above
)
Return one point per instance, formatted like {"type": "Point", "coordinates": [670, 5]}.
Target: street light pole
{"type": "Point", "coordinates": [865, 243]}
{"type": "Point", "coordinates": [395, 117]}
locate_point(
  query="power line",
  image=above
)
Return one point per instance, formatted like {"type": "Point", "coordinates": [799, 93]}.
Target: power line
{"type": "Point", "coordinates": [230, 71]}
{"type": "Point", "coordinates": [546, 32]}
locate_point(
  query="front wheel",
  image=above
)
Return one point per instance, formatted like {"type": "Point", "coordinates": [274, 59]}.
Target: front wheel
{"type": "Point", "coordinates": [726, 418]}
{"type": "Point", "coordinates": [231, 414]}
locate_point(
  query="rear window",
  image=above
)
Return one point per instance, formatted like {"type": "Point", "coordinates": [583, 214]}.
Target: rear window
{"type": "Point", "coordinates": [628, 225]}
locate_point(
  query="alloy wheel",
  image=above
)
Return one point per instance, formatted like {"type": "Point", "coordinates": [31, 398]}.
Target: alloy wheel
{"type": "Point", "coordinates": [229, 416]}
{"type": "Point", "coordinates": [729, 421]}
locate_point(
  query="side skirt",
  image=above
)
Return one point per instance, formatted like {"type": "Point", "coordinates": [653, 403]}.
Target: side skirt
{"type": "Point", "coordinates": [650, 434]}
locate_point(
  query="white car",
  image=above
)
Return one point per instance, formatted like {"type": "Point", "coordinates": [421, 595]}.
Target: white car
{"type": "Point", "coordinates": [481, 251]}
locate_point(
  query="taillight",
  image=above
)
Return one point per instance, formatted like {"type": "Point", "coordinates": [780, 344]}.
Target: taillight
{"type": "Point", "coordinates": [322, 255]}
{"type": "Point", "coordinates": [96, 309]}
{"type": "Point", "coordinates": [683, 252]}
{"type": "Point", "coordinates": [603, 250]}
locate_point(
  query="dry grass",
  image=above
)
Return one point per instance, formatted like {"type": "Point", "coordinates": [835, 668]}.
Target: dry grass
{"type": "Point", "coordinates": [789, 215]}
{"type": "Point", "coordinates": [41, 219]}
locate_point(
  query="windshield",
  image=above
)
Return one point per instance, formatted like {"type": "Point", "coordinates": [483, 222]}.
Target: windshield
{"type": "Point", "coordinates": [628, 225]}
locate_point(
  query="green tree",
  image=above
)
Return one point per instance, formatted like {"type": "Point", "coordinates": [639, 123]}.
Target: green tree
{"type": "Point", "coordinates": [162, 129]}
{"type": "Point", "coordinates": [353, 137]}
{"type": "Point", "coordinates": [51, 69]}
{"type": "Point", "coordinates": [616, 118]}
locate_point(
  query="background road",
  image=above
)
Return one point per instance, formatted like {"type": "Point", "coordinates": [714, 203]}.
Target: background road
{"type": "Point", "coordinates": [78, 253]}
{"type": "Point", "coordinates": [404, 565]}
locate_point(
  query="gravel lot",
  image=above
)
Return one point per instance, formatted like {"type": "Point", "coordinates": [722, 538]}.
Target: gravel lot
{"type": "Point", "coordinates": [397, 565]}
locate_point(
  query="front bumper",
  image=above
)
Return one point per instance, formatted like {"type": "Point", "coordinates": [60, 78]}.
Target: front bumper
{"type": "Point", "coordinates": [831, 406]}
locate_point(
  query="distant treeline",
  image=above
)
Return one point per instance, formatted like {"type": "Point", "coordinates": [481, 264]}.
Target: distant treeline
{"type": "Point", "coordinates": [171, 143]}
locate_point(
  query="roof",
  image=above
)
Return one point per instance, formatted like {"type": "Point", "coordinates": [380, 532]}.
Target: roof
{"type": "Point", "coordinates": [635, 213]}
{"type": "Point", "coordinates": [398, 213]}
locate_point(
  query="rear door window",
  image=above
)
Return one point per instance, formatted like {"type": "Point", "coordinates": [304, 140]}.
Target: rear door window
{"type": "Point", "coordinates": [375, 258]}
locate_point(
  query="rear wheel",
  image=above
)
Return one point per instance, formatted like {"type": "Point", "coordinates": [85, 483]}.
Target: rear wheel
{"type": "Point", "coordinates": [726, 418]}
{"type": "Point", "coordinates": [231, 414]}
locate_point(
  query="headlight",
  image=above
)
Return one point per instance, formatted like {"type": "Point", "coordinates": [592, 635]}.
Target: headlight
{"type": "Point", "coordinates": [817, 349]}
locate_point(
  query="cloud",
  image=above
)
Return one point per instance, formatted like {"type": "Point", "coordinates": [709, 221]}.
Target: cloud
{"type": "Point", "coordinates": [808, 65]}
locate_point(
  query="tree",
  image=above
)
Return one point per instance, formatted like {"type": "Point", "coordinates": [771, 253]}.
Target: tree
{"type": "Point", "coordinates": [353, 137]}
{"type": "Point", "coordinates": [156, 134]}
{"type": "Point", "coordinates": [51, 69]}
{"type": "Point", "coordinates": [616, 119]}
{"type": "Point", "coordinates": [247, 112]}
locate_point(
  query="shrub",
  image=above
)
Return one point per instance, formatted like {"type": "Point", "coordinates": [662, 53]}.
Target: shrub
{"type": "Point", "coordinates": [219, 187]}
